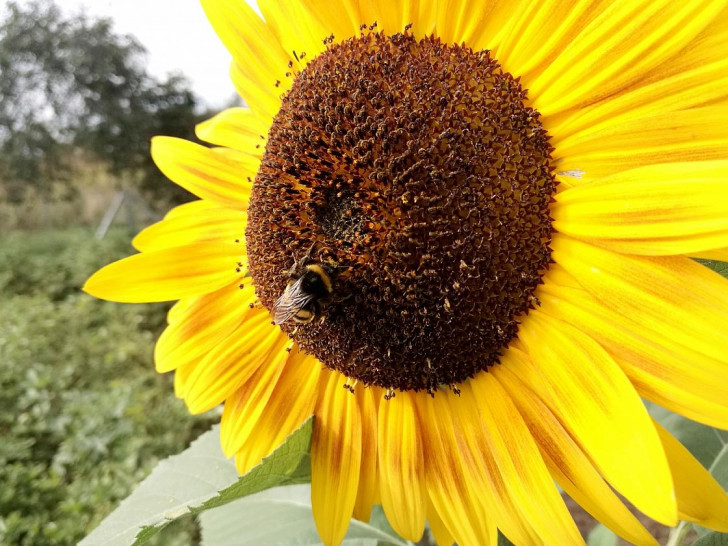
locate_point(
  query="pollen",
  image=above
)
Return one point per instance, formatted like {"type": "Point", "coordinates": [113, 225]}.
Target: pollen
{"type": "Point", "coordinates": [421, 177]}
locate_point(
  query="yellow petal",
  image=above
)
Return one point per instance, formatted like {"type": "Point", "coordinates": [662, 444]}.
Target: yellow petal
{"type": "Point", "coordinates": [181, 376]}
{"type": "Point", "coordinates": [477, 23]}
{"type": "Point", "coordinates": [263, 102]}
{"type": "Point", "coordinates": [342, 23]}
{"type": "Point", "coordinates": [261, 415]}
{"type": "Point", "coordinates": [249, 400]}
{"type": "Point", "coordinates": [635, 37]}
{"type": "Point", "coordinates": [486, 481]}
{"type": "Point", "coordinates": [335, 459]}
{"type": "Point", "coordinates": [295, 28]}
{"type": "Point", "coordinates": [568, 464]}
{"type": "Point", "coordinates": [659, 293]}
{"type": "Point", "coordinates": [168, 274]}
{"type": "Point", "coordinates": [178, 310]}
{"type": "Point", "coordinates": [249, 162]}
{"type": "Point", "coordinates": [439, 531]}
{"type": "Point", "coordinates": [401, 467]}
{"type": "Point", "coordinates": [190, 209]}
{"type": "Point", "coordinates": [666, 209]}
{"type": "Point", "coordinates": [206, 322]}
{"type": "Point", "coordinates": [236, 128]}
{"type": "Point", "coordinates": [391, 16]}
{"type": "Point", "coordinates": [447, 484]}
{"type": "Point", "coordinates": [221, 225]}
{"type": "Point", "coordinates": [535, 37]}
{"type": "Point", "coordinates": [420, 15]}
{"type": "Point", "coordinates": [595, 401]}
{"type": "Point", "coordinates": [692, 245]}
{"type": "Point", "coordinates": [515, 452]}
{"type": "Point", "coordinates": [696, 77]}
{"type": "Point", "coordinates": [259, 61]}
{"type": "Point", "coordinates": [698, 134]}
{"type": "Point", "coordinates": [208, 173]}
{"type": "Point", "coordinates": [718, 254]}
{"type": "Point", "coordinates": [229, 365]}
{"type": "Point", "coordinates": [699, 497]}
{"type": "Point", "coordinates": [663, 371]}
{"type": "Point", "coordinates": [368, 399]}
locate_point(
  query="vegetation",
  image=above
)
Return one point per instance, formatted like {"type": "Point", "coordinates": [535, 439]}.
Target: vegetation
{"type": "Point", "coordinates": [85, 417]}
{"type": "Point", "coordinates": [72, 84]}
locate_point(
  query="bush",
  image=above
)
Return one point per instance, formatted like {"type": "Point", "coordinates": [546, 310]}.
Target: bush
{"type": "Point", "coordinates": [85, 415]}
{"type": "Point", "coordinates": [56, 263]}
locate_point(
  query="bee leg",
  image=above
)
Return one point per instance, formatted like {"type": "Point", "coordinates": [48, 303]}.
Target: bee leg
{"type": "Point", "coordinates": [339, 299]}
{"type": "Point", "coordinates": [309, 254]}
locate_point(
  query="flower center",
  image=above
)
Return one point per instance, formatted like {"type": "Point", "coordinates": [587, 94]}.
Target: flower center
{"type": "Point", "coordinates": [399, 222]}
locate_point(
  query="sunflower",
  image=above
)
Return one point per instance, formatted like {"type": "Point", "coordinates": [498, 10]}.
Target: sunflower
{"type": "Point", "coordinates": [461, 234]}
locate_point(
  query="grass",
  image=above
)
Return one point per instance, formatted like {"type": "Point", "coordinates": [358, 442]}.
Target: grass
{"type": "Point", "coordinates": [84, 416]}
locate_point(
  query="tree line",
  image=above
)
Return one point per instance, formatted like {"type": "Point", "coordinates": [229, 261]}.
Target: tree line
{"type": "Point", "coordinates": [71, 83]}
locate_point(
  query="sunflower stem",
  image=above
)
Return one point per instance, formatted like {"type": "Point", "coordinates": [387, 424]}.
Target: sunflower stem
{"type": "Point", "coordinates": [678, 534]}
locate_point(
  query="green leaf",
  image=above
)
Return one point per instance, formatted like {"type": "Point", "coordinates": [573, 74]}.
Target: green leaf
{"type": "Point", "coordinates": [198, 479]}
{"type": "Point", "coordinates": [708, 445]}
{"type": "Point", "coordinates": [289, 464]}
{"type": "Point", "coordinates": [502, 540]}
{"type": "Point", "coordinates": [280, 516]}
{"type": "Point", "coordinates": [719, 267]}
{"type": "Point", "coordinates": [379, 520]}
{"type": "Point", "coordinates": [601, 536]}
{"type": "Point", "coordinates": [712, 539]}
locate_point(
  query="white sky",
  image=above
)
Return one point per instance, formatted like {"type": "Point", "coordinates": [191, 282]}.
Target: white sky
{"type": "Point", "coordinates": [177, 36]}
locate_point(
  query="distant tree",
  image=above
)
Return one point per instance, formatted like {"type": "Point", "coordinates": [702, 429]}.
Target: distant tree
{"type": "Point", "coordinates": [72, 81]}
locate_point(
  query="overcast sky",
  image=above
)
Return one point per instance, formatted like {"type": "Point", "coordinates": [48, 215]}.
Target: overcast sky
{"type": "Point", "coordinates": [177, 36]}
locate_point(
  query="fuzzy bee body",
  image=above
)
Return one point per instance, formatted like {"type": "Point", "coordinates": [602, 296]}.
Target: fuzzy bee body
{"type": "Point", "coordinates": [309, 288]}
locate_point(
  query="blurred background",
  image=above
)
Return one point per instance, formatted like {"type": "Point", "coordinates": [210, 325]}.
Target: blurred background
{"type": "Point", "coordinates": [83, 88]}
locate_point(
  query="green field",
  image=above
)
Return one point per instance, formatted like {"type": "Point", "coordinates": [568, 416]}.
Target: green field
{"type": "Point", "coordinates": [83, 417]}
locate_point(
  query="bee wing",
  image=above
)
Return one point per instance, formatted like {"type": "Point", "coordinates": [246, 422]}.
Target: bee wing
{"type": "Point", "coordinates": [291, 302]}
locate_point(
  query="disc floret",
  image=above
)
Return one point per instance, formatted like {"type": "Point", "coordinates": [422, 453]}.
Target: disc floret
{"type": "Point", "coordinates": [423, 179]}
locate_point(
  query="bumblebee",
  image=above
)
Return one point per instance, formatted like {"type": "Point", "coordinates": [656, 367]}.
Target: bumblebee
{"type": "Point", "coordinates": [310, 287]}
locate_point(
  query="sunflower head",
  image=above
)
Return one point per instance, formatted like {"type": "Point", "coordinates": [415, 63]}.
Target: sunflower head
{"type": "Point", "coordinates": [421, 174]}
{"type": "Point", "coordinates": [396, 186]}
